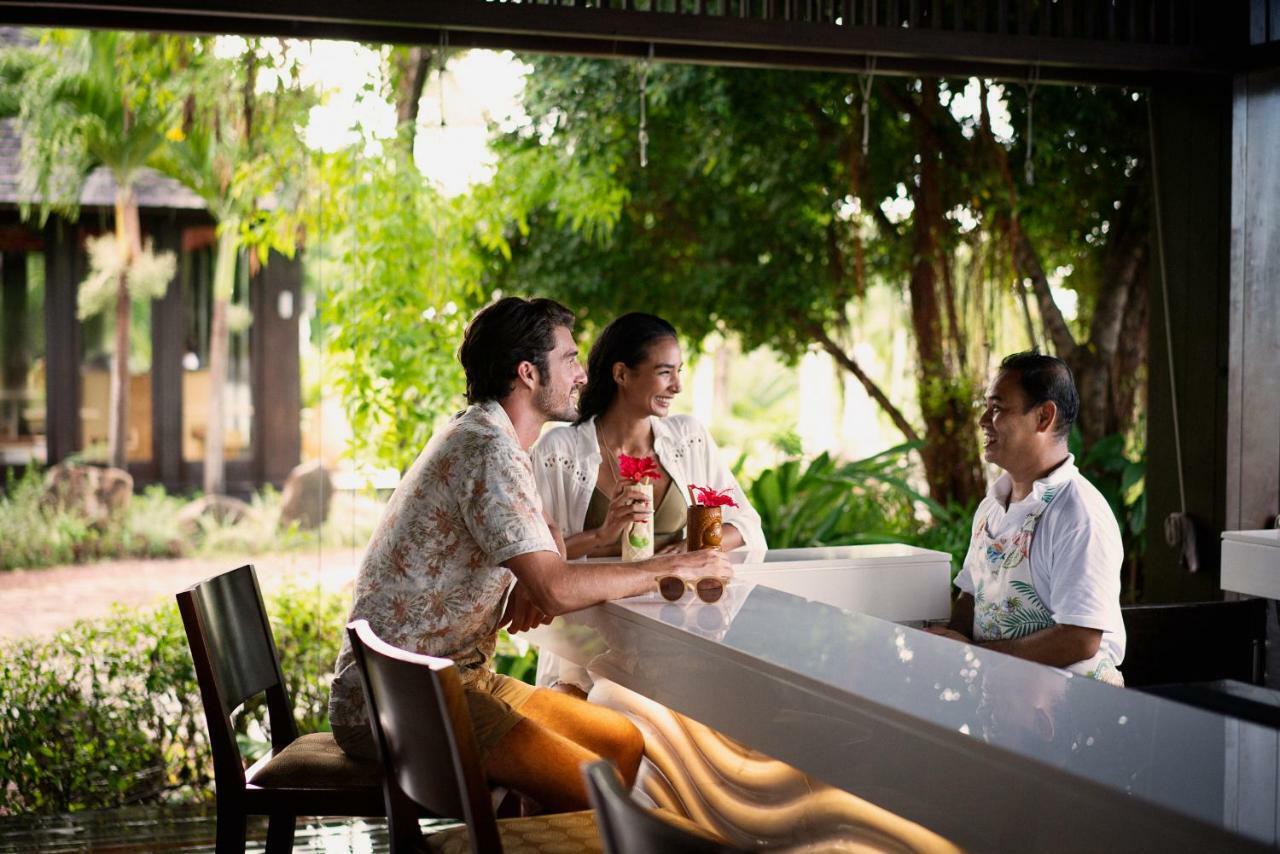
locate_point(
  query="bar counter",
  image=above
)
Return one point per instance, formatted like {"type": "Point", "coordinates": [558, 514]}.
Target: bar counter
{"type": "Point", "coordinates": [987, 751]}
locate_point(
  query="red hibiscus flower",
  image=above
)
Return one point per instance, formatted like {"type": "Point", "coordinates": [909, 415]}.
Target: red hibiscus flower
{"type": "Point", "coordinates": [637, 469]}
{"type": "Point", "coordinates": [707, 497]}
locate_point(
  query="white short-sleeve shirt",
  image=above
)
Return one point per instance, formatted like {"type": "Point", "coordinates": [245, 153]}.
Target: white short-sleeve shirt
{"type": "Point", "coordinates": [1076, 554]}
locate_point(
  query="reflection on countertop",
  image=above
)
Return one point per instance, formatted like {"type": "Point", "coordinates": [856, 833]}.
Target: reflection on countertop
{"type": "Point", "coordinates": [933, 730]}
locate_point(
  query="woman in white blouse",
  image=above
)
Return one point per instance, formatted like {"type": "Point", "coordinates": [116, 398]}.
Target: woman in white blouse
{"type": "Point", "coordinates": [633, 373]}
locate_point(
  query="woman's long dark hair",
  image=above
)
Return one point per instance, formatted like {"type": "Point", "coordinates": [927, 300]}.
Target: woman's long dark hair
{"type": "Point", "coordinates": [625, 340]}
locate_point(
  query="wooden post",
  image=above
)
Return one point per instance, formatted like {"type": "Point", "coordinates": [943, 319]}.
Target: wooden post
{"type": "Point", "coordinates": [62, 265]}
{"type": "Point", "coordinates": [276, 297]}
{"type": "Point", "coordinates": [15, 359]}
{"type": "Point", "coordinates": [167, 343]}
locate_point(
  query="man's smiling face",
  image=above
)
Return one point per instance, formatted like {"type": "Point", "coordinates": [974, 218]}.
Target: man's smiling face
{"type": "Point", "coordinates": [1009, 424]}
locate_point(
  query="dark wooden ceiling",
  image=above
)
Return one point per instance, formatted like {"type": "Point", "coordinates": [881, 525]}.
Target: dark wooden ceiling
{"type": "Point", "coordinates": [1118, 41]}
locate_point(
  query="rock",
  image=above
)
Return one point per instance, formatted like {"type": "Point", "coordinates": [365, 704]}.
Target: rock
{"type": "Point", "coordinates": [99, 494]}
{"type": "Point", "coordinates": [307, 494]}
{"type": "Point", "coordinates": [222, 509]}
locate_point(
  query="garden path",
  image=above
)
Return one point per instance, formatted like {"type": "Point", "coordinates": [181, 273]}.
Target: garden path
{"type": "Point", "coordinates": [40, 602]}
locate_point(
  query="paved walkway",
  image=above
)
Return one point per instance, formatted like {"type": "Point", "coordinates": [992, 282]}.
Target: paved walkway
{"type": "Point", "coordinates": [40, 602]}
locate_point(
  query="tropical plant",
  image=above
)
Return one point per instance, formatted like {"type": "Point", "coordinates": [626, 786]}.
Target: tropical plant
{"type": "Point", "coordinates": [88, 99]}
{"type": "Point", "coordinates": [405, 278]}
{"type": "Point", "coordinates": [240, 150]}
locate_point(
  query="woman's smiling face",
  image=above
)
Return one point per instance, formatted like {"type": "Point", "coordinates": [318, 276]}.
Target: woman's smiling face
{"type": "Point", "coordinates": [651, 385]}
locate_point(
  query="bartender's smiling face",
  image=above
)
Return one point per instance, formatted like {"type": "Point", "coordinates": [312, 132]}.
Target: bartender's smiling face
{"type": "Point", "coordinates": [653, 384]}
{"type": "Point", "coordinates": [1012, 430]}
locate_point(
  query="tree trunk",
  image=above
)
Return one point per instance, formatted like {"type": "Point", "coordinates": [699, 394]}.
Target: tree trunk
{"type": "Point", "coordinates": [848, 363]}
{"type": "Point", "coordinates": [219, 342]}
{"type": "Point", "coordinates": [128, 244]}
{"type": "Point", "coordinates": [950, 453]}
{"type": "Point", "coordinates": [410, 69]}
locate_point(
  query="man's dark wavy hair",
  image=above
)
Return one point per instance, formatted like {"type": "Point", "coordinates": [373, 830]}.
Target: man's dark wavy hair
{"type": "Point", "coordinates": [1044, 378]}
{"type": "Point", "coordinates": [501, 336]}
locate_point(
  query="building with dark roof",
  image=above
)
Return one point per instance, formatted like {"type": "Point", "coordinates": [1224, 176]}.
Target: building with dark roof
{"type": "Point", "coordinates": [55, 367]}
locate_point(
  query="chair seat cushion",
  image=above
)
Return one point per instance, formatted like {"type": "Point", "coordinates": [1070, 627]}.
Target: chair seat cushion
{"type": "Point", "coordinates": [558, 833]}
{"type": "Point", "coordinates": [315, 761]}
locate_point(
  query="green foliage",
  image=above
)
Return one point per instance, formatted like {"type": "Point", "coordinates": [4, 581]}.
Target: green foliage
{"type": "Point", "coordinates": [90, 98]}
{"type": "Point", "coordinates": [828, 503]}
{"type": "Point", "coordinates": [405, 280]}
{"type": "Point", "coordinates": [107, 712]}
{"type": "Point", "coordinates": [35, 535]}
{"type": "Point", "coordinates": [514, 657]}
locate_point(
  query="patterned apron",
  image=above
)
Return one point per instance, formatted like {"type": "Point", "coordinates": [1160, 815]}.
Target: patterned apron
{"type": "Point", "coordinates": [1005, 602]}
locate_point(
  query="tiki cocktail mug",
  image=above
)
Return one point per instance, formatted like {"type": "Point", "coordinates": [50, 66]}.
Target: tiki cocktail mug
{"type": "Point", "coordinates": [637, 537]}
{"type": "Point", "coordinates": [704, 522]}
{"type": "Point", "coordinates": [703, 527]}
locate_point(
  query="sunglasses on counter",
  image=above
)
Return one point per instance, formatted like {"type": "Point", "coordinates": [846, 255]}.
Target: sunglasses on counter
{"type": "Point", "coordinates": [709, 588]}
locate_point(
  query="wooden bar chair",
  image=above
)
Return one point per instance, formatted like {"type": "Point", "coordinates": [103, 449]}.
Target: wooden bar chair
{"type": "Point", "coordinates": [431, 764]}
{"type": "Point", "coordinates": [628, 828]}
{"type": "Point", "coordinates": [236, 659]}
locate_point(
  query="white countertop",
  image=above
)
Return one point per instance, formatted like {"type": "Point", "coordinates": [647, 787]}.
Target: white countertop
{"type": "Point", "coordinates": [975, 745]}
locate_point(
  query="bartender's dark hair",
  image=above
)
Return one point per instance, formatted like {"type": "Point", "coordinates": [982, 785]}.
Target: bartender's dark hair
{"type": "Point", "coordinates": [1044, 378]}
{"type": "Point", "coordinates": [501, 336]}
{"type": "Point", "coordinates": [625, 340]}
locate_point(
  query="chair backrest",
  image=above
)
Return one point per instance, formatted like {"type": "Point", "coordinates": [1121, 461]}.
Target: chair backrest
{"type": "Point", "coordinates": [235, 658]}
{"type": "Point", "coordinates": [424, 735]}
{"type": "Point", "coordinates": [628, 828]}
{"type": "Point", "coordinates": [1195, 642]}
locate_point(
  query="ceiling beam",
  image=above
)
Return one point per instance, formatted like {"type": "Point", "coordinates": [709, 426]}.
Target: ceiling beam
{"type": "Point", "coordinates": [712, 39]}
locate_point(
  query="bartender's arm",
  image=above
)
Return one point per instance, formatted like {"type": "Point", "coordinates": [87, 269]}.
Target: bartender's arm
{"type": "Point", "coordinates": [1057, 646]}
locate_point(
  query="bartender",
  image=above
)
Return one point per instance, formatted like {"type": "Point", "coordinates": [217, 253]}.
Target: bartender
{"type": "Point", "coordinates": [1041, 579]}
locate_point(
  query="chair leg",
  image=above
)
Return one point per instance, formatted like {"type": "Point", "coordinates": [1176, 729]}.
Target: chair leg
{"type": "Point", "coordinates": [280, 829]}
{"type": "Point", "coordinates": [402, 822]}
{"type": "Point", "coordinates": [232, 827]}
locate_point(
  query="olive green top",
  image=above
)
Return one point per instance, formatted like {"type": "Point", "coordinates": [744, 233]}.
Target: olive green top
{"type": "Point", "coordinates": [668, 521]}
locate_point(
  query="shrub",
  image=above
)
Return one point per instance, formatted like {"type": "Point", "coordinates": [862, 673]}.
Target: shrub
{"type": "Point", "coordinates": [35, 536]}
{"type": "Point", "coordinates": [829, 503]}
{"type": "Point", "coordinates": [108, 713]}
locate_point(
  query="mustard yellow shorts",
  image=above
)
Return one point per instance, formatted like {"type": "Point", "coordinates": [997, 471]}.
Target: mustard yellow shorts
{"type": "Point", "coordinates": [493, 704]}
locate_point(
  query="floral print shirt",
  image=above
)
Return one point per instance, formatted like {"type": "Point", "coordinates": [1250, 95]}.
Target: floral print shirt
{"type": "Point", "coordinates": [432, 580]}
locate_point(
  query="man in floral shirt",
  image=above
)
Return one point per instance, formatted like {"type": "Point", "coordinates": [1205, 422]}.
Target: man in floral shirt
{"type": "Point", "coordinates": [464, 523]}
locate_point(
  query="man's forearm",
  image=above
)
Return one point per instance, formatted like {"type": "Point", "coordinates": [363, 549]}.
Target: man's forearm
{"type": "Point", "coordinates": [583, 543]}
{"type": "Point", "coordinates": [1058, 646]}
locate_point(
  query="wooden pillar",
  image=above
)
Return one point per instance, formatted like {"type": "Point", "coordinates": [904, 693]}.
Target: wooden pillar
{"type": "Point", "coordinates": [1193, 127]}
{"type": "Point", "coordinates": [62, 340]}
{"type": "Point", "coordinates": [1253, 389]}
{"type": "Point", "coordinates": [1253, 397]}
{"type": "Point", "coordinates": [276, 298]}
{"type": "Point", "coordinates": [15, 358]}
{"type": "Point", "coordinates": [167, 343]}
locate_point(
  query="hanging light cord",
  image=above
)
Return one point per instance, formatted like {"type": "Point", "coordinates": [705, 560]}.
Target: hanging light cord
{"type": "Point", "coordinates": [1033, 83]}
{"type": "Point", "coordinates": [644, 96]}
{"type": "Point", "coordinates": [864, 86]}
{"type": "Point", "coordinates": [444, 54]}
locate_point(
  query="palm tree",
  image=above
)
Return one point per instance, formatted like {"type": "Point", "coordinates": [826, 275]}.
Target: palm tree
{"type": "Point", "coordinates": [236, 147]}
{"type": "Point", "coordinates": [88, 99]}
